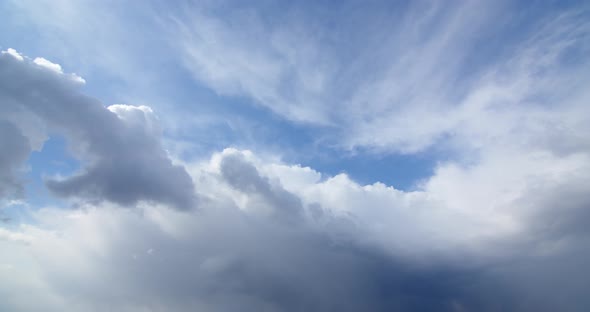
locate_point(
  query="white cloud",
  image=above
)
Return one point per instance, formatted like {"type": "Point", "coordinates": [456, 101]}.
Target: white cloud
{"type": "Point", "coordinates": [15, 237]}
{"type": "Point", "coordinates": [12, 52]}
{"type": "Point", "coordinates": [138, 117]}
{"type": "Point", "coordinates": [56, 68]}
{"type": "Point", "coordinates": [48, 64]}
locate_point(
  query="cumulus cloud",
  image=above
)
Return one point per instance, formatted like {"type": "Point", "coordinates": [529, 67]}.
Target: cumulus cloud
{"type": "Point", "coordinates": [120, 145]}
{"type": "Point", "coordinates": [353, 248]}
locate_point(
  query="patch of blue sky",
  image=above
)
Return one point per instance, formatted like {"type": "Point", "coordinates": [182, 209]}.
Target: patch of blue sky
{"type": "Point", "coordinates": [250, 126]}
{"type": "Point", "coordinates": [51, 161]}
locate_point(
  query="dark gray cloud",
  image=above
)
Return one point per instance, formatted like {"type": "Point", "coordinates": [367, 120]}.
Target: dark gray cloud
{"type": "Point", "coordinates": [123, 156]}
{"type": "Point", "coordinates": [14, 147]}
{"type": "Point", "coordinates": [244, 176]}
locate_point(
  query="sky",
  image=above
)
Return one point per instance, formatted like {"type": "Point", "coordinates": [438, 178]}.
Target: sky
{"type": "Point", "coordinates": [294, 156]}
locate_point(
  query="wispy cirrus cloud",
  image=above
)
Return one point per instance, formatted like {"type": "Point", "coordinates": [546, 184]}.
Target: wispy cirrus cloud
{"type": "Point", "coordinates": [402, 81]}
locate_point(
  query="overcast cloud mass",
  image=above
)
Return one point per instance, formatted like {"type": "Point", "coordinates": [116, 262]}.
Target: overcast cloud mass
{"type": "Point", "coordinates": [209, 189]}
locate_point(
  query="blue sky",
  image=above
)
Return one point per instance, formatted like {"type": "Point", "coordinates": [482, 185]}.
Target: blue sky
{"type": "Point", "coordinates": [412, 147]}
{"type": "Point", "coordinates": [178, 90]}
{"type": "Point", "coordinates": [301, 143]}
{"type": "Point", "coordinates": [238, 118]}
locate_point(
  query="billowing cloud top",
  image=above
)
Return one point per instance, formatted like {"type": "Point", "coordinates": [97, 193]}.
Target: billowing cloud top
{"type": "Point", "coordinates": [156, 220]}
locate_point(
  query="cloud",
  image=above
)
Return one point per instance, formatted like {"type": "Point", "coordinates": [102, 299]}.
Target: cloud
{"type": "Point", "coordinates": [15, 149]}
{"type": "Point", "coordinates": [13, 53]}
{"type": "Point", "coordinates": [120, 145]}
{"type": "Point", "coordinates": [500, 225]}
{"type": "Point", "coordinates": [353, 247]}
{"type": "Point", "coordinates": [48, 64]}
{"type": "Point", "coordinates": [244, 177]}
{"type": "Point", "coordinates": [392, 78]}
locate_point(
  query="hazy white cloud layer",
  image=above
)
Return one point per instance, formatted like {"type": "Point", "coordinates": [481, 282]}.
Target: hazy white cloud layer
{"type": "Point", "coordinates": [501, 224]}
